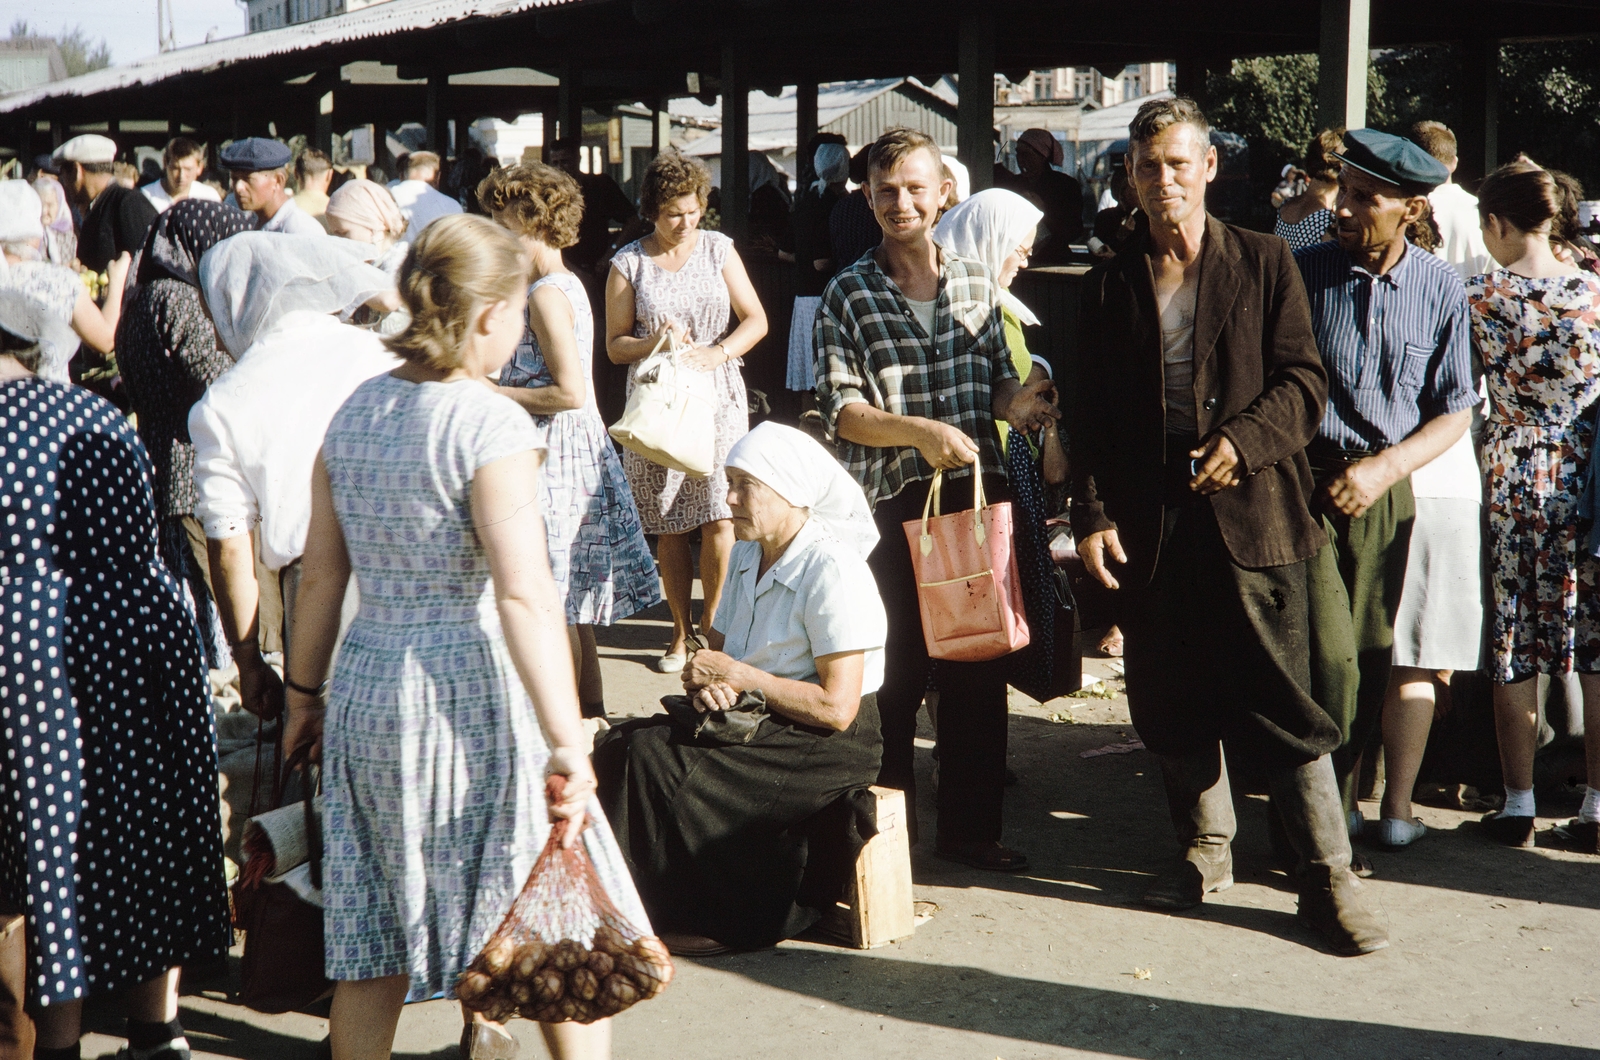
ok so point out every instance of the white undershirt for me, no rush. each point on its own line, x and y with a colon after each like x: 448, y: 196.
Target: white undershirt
x: 924, y: 312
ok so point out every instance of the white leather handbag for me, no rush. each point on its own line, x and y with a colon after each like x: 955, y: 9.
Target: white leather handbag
x: 671, y: 414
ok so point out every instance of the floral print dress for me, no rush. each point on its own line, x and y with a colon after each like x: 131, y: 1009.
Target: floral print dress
x: 1540, y: 344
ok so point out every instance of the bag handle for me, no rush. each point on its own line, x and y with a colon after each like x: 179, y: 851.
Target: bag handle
x: 935, y: 495
x: 300, y: 758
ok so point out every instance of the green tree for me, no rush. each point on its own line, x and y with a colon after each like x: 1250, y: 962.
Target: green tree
x: 79, y: 54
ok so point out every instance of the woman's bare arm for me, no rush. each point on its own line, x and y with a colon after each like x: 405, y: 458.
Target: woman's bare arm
x: 505, y: 514
x: 550, y: 314
x: 716, y: 679
x: 621, y: 346
x: 324, y: 577
x: 97, y: 327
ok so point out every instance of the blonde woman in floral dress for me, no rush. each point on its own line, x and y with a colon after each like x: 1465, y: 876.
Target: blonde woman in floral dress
x: 1536, y: 324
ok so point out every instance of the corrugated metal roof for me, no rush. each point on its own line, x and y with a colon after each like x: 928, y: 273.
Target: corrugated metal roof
x: 378, y: 20
x: 772, y: 118
x: 1111, y: 123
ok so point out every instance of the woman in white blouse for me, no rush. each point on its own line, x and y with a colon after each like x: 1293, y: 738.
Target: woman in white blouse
x: 801, y: 624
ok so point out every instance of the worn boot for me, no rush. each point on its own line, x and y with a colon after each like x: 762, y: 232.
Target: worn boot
x: 1307, y: 796
x: 1202, y: 813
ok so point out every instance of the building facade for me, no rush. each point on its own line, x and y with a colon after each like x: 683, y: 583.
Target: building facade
x: 274, y: 14
x: 1085, y: 85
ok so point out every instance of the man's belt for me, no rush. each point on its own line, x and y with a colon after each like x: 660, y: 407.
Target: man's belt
x: 1329, y: 459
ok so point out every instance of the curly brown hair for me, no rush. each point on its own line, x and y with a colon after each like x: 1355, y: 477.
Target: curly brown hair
x: 672, y: 175
x: 458, y: 265
x: 536, y: 200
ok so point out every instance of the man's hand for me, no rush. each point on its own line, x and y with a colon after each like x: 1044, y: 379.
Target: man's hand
x: 1217, y: 464
x: 1358, y: 487
x: 945, y: 447
x: 260, y: 688
x: 1094, y: 549
x: 1031, y: 409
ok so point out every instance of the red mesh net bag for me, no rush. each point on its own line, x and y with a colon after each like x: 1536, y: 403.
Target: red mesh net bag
x: 564, y: 952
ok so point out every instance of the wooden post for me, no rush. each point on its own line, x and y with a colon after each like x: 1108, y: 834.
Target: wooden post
x: 1477, y: 141
x: 569, y: 102
x: 548, y: 133
x: 735, y: 143
x: 463, y: 135
x: 434, y: 119
x: 323, y: 141
x: 1342, y: 64
x: 805, y: 129
x: 975, y: 110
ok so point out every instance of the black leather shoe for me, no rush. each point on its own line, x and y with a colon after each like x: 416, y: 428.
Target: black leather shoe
x: 1330, y: 906
x: 1512, y: 831
x: 1200, y: 871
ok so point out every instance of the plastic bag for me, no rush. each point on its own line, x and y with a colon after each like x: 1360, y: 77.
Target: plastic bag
x: 564, y: 952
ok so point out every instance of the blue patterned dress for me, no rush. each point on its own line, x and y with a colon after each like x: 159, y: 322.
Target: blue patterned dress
x: 598, y: 551
x: 434, y: 762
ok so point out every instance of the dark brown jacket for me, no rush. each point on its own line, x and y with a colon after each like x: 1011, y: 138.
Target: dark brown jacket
x: 1258, y: 380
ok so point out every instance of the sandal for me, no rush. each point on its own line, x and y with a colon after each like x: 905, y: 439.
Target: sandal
x: 1580, y: 835
x: 990, y: 856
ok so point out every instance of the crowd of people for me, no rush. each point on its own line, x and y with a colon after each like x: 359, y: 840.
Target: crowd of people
x: 352, y: 446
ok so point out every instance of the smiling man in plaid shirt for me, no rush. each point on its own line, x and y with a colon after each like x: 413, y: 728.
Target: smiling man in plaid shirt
x: 902, y: 403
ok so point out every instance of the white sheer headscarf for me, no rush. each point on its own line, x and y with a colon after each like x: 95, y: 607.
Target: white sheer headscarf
x: 806, y: 475
x: 988, y: 227
x: 28, y: 317
x: 253, y: 280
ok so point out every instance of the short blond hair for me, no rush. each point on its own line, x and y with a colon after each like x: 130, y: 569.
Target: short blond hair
x: 456, y: 267
x: 896, y: 145
x: 1436, y: 138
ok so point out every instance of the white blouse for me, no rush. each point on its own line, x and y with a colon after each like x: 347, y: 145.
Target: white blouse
x: 259, y: 427
x: 819, y: 598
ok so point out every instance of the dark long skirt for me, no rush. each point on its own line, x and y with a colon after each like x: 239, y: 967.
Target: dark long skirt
x: 720, y: 839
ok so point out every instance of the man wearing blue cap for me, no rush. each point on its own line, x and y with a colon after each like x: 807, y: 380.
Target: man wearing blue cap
x: 258, y: 169
x: 1391, y: 323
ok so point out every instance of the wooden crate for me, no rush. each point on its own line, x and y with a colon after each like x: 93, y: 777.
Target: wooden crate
x: 878, y: 906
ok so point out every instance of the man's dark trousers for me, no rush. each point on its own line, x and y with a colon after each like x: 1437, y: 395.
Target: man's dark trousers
x: 972, y: 696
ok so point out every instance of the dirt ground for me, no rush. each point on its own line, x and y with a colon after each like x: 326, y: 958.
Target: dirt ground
x: 1495, y: 952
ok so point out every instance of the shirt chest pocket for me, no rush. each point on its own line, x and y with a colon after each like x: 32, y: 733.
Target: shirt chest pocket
x: 1413, y: 368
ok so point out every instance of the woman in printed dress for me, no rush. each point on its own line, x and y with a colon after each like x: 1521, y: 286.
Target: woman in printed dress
x: 678, y: 285
x: 1536, y: 325
x: 453, y: 699
x: 598, y: 552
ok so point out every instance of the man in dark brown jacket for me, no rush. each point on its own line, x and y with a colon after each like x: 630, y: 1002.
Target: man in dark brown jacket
x: 1198, y: 385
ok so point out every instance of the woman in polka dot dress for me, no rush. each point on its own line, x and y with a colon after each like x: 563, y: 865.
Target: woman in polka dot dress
x: 112, y: 847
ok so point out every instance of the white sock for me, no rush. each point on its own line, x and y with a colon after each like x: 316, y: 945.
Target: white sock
x: 1518, y: 803
x: 1591, y: 805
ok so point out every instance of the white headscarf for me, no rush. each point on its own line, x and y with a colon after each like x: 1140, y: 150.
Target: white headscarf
x: 21, y: 212
x: 807, y: 476
x: 963, y: 179
x: 253, y: 280
x: 988, y: 227
x: 832, y: 163
x: 28, y: 317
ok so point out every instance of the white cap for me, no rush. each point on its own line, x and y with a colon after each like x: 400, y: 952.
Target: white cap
x: 90, y: 147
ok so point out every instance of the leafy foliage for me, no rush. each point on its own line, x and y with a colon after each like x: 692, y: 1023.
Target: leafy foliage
x: 79, y: 54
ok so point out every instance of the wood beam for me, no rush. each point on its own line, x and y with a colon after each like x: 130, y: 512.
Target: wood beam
x: 1342, y: 64
x: 735, y: 141
x: 975, y: 113
x: 805, y: 128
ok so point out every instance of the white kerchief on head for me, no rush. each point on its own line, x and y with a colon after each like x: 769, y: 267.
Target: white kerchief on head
x: 988, y: 227
x: 806, y: 475
x: 832, y: 163
x: 253, y: 280
x: 26, y: 316
x: 21, y: 212
x: 958, y: 173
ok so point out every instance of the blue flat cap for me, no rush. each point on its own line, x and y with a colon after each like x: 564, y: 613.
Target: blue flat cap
x: 255, y: 153
x: 1393, y: 158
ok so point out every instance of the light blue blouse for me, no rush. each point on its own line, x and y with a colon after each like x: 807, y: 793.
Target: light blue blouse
x: 819, y: 598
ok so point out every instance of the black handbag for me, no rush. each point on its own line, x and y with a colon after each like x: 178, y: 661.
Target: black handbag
x: 719, y: 728
x: 1052, y: 663
x: 283, y: 964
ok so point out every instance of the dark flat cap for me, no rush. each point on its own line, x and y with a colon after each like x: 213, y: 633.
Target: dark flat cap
x: 255, y: 153
x: 1393, y: 158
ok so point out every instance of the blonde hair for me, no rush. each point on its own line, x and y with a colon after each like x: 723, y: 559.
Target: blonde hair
x: 456, y: 267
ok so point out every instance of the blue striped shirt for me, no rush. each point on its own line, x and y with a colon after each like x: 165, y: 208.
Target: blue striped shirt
x: 1397, y: 347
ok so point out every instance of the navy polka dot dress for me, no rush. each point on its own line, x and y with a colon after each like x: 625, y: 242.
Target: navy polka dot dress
x: 112, y: 844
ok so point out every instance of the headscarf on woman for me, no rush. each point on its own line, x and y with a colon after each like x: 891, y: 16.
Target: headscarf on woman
x: 41, y: 297
x: 254, y: 280
x: 182, y: 234
x: 31, y: 319
x: 959, y: 174
x: 60, y: 238
x: 988, y: 227
x: 832, y: 163
x: 764, y: 174
x: 370, y: 205
x: 21, y: 214
x: 806, y: 475
x: 49, y: 186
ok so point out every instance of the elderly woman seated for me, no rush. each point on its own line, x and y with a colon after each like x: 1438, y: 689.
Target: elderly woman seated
x: 714, y: 802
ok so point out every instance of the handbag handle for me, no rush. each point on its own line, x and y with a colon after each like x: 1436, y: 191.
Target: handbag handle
x: 300, y: 758
x: 935, y: 494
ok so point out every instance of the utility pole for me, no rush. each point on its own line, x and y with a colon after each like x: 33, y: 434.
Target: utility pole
x: 166, y: 36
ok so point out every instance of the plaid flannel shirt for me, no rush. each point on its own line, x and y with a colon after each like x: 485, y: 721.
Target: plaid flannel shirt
x: 870, y: 347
